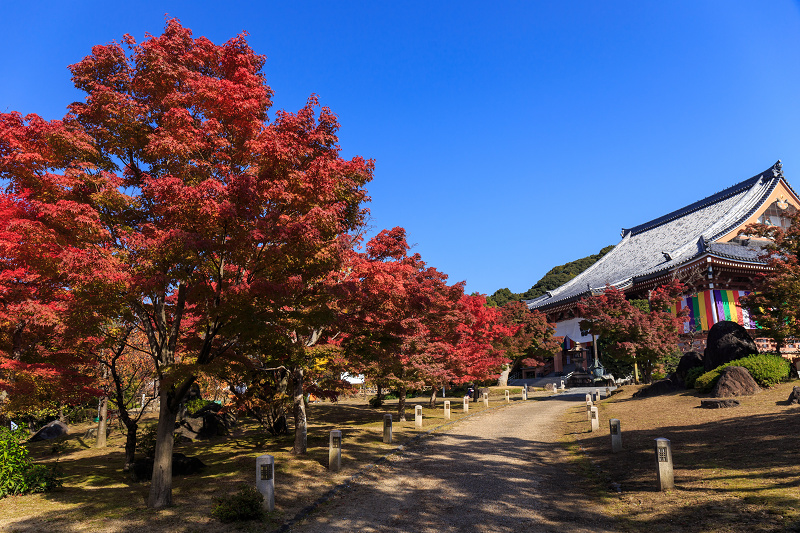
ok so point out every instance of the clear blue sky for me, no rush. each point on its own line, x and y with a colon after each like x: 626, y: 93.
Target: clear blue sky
x: 508, y: 139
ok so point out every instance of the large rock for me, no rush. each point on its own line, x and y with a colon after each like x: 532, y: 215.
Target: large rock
x: 688, y: 361
x: 718, y: 403
x: 51, y: 431
x: 794, y: 397
x: 207, y: 422
x: 662, y: 386
x: 726, y: 342
x: 735, y: 381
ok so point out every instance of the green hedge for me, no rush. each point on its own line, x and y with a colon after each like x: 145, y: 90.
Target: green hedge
x: 692, y: 375
x: 766, y: 369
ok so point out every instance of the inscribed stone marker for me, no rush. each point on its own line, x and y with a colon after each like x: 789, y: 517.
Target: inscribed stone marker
x: 447, y: 409
x: 418, y: 416
x: 664, y: 469
x: 595, y: 419
x: 387, y: 429
x: 265, y: 480
x: 335, y: 451
x: 616, y: 435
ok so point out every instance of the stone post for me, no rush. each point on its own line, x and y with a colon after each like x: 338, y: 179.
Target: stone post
x: 508, y: 397
x: 486, y: 399
x: 616, y: 435
x: 387, y: 429
x: 597, y: 395
x: 595, y: 419
x: 563, y: 386
x: 447, y: 409
x: 265, y: 480
x: 418, y: 416
x: 466, y: 404
x: 525, y: 392
x: 589, y: 406
x: 335, y: 451
x: 588, y: 397
x: 664, y: 470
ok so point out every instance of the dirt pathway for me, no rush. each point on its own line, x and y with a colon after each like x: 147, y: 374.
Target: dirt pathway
x: 499, y: 471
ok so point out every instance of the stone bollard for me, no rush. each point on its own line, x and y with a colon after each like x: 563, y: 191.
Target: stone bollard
x: 447, y: 409
x: 588, y: 397
x: 595, y: 419
x: 525, y: 392
x: 664, y: 471
x: 466, y: 404
x: 335, y: 451
x: 589, y: 406
x: 265, y: 480
x: 418, y: 416
x: 486, y: 399
x: 387, y: 429
x: 616, y: 435
x: 563, y: 386
x: 597, y: 395
x: 508, y: 397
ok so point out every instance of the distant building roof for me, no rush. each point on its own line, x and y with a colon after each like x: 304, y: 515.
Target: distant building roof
x: 674, y: 239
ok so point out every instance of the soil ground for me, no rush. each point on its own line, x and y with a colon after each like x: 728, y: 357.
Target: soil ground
x: 736, y: 469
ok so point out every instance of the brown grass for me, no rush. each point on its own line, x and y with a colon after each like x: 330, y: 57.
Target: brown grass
x: 736, y: 469
x: 98, y: 496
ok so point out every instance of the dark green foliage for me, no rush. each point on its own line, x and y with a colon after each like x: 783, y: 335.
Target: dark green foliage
x: 193, y: 406
x: 692, y: 375
x: 766, y: 369
x: 556, y: 277
x: 17, y: 474
x: 375, y: 402
x: 247, y: 504
x: 641, y: 305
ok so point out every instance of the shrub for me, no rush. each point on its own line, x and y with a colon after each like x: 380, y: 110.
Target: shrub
x: 17, y: 474
x: 766, y: 369
x: 247, y: 504
x: 193, y: 406
x: 692, y: 375
x: 375, y: 402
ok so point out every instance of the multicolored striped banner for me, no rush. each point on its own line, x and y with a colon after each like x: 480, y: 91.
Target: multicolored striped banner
x: 709, y: 307
x: 568, y: 343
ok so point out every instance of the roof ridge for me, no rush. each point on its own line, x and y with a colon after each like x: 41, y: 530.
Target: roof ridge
x: 777, y: 172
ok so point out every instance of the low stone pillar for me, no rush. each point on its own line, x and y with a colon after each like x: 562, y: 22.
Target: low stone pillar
x: 589, y: 406
x: 664, y: 470
x: 616, y: 435
x: 588, y: 397
x: 447, y: 409
x: 563, y: 385
x: 335, y: 451
x: 596, y: 395
x: 387, y: 429
x: 508, y: 396
x: 466, y: 404
x: 418, y: 416
x: 265, y: 480
x: 486, y: 399
x: 595, y: 419
x: 525, y: 392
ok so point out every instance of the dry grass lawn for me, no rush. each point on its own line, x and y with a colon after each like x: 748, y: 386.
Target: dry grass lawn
x: 736, y: 469
x: 98, y: 497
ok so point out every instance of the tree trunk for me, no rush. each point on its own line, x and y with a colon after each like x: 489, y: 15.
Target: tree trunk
x: 170, y: 400
x: 380, y: 394
x: 102, y: 423
x: 130, y: 444
x: 433, y: 398
x: 502, y: 381
x: 401, y: 403
x: 299, y: 413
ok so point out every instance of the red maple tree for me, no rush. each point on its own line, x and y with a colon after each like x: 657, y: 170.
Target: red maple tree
x: 192, y: 214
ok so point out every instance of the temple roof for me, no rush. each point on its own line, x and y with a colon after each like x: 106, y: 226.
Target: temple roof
x: 671, y: 240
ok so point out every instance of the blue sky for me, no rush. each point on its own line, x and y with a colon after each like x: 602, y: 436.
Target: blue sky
x: 508, y: 139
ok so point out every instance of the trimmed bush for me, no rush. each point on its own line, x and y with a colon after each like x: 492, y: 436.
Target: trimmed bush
x: 17, y: 474
x: 692, y: 375
x: 766, y: 369
x: 247, y: 504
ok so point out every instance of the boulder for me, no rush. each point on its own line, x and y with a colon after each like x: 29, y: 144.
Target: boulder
x: 688, y: 361
x: 794, y: 397
x: 209, y: 421
x: 51, y: 431
x: 718, y: 404
x: 662, y: 386
x: 735, y: 381
x: 726, y: 342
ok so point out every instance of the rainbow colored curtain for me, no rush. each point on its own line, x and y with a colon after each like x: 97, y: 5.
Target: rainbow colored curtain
x: 568, y: 343
x: 709, y: 307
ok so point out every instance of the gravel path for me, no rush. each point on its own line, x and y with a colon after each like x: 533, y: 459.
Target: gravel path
x: 499, y: 471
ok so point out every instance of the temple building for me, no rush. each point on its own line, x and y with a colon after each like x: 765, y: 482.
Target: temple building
x: 700, y: 244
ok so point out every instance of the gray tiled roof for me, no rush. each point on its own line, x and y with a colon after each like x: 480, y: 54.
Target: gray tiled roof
x: 673, y: 239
